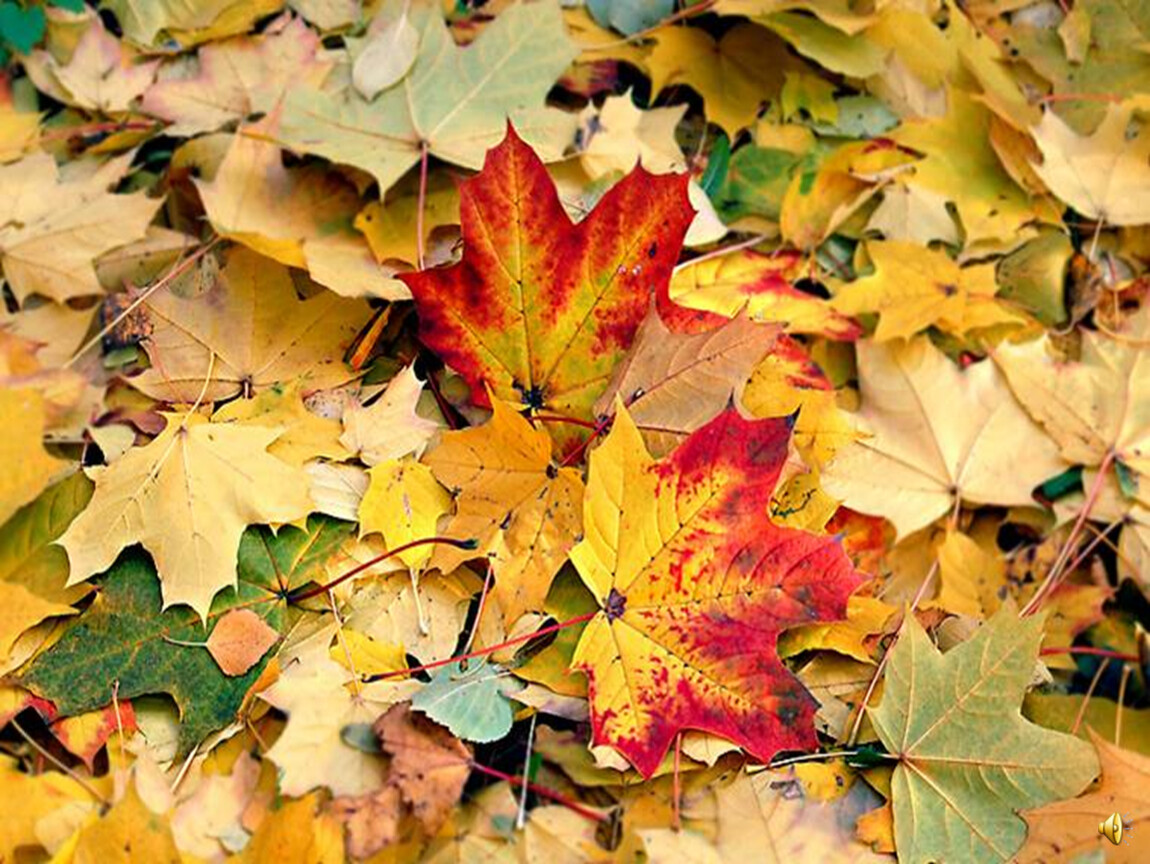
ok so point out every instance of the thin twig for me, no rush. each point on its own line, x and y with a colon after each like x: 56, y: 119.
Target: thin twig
x: 91, y: 790
x: 521, y: 816
x: 491, y: 649
x: 1126, y: 670
x: 382, y: 556
x: 173, y: 274
x: 542, y: 791
x: 719, y: 253
x: 1089, y: 693
x: 420, y: 204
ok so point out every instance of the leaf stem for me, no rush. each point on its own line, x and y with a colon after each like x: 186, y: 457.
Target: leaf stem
x: 1087, y: 650
x: 563, y: 418
x: 470, y: 543
x: 91, y: 790
x: 1053, y: 578
x: 490, y: 649
x: 542, y: 791
x: 177, y: 271
x: 420, y: 204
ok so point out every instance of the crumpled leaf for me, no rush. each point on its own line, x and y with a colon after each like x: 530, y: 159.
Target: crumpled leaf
x: 676, y: 644
x: 913, y: 468
x: 761, y: 285
x: 300, y: 217
x: 914, y: 287
x: 187, y: 498
x: 187, y: 24
x: 33, y: 569
x: 676, y: 382
x: 454, y: 100
x: 313, y: 691
x: 540, y: 310
x: 1096, y: 406
x: 523, y: 511
x: 429, y: 766
x: 735, y: 74
x: 968, y: 761
x: 100, y: 75
x: 1064, y: 831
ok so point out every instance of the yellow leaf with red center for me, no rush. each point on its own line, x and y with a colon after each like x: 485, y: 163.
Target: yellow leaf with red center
x: 541, y: 310
x: 762, y: 285
x: 694, y: 586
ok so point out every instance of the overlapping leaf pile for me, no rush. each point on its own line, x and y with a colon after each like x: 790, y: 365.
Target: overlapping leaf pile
x: 607, y: 431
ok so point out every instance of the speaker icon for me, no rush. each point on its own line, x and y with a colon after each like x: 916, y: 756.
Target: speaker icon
x: 1113, y: 828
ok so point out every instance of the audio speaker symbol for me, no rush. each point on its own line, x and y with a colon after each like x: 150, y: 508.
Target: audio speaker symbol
x: 1112, y: 828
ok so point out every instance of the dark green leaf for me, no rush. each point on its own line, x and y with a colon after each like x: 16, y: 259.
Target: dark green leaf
x: 21, y: 28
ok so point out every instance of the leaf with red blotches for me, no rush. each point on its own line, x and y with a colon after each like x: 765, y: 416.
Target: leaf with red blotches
x: 761, y: 285
x: 541, y: 310
x: 694, y: 585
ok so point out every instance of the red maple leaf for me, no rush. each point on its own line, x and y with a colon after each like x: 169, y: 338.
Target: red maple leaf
x: 541, y: 309
x: 694, y: 585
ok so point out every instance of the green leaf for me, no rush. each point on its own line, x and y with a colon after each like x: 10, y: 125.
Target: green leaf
x: 756, y: 182
x: 968, y: 761
x: 21, y: 28
x: 126, y: 637
x: 456, y: 100
x: 718, y: 162
x: 68, y: 5
x: 470, y: 702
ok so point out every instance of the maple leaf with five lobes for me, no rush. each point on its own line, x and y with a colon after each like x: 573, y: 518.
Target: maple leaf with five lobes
x: 522, y: 509
x: 913, y: 287
x: 938, y: 435
x: 694, y: 585
x: 541, y: 310
x: 187, y: 497
x: 967, y: 760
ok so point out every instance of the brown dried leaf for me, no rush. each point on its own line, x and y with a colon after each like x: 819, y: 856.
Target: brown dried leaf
x: 429, y: 765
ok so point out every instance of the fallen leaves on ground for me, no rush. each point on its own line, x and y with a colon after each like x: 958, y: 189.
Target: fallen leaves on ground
x: 543, y: 431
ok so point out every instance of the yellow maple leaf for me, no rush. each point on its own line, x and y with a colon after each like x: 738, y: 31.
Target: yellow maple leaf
x: 52, y: 229
x: 305, y: 435
x: 735, y: 74
x: 389, y: 428
x: 256, y: 327
x: 301, y: 217
x: 1104, y: 175
x: 186, y: 497
x: 913, y: 287
x: 28, y: 468
x: 524, y: 512
x: 403, y: 503
x: 938, y: 436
